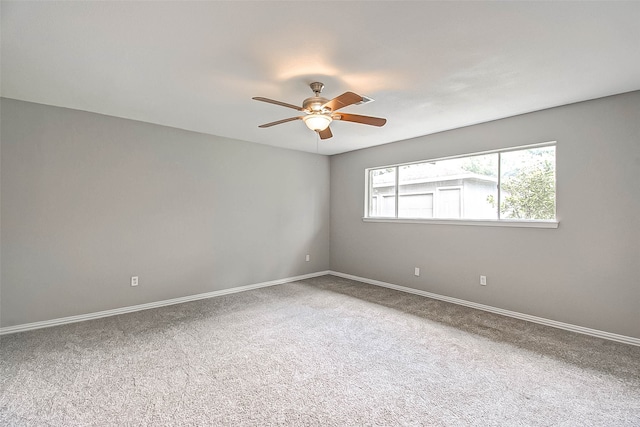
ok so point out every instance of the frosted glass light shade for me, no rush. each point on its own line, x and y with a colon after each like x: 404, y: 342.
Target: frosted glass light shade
x: 317, y: 122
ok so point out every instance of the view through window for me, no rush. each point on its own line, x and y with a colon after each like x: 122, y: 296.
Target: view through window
x: 508, y: 184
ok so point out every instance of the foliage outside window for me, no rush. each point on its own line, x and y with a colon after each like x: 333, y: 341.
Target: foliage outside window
x: 514, y: 184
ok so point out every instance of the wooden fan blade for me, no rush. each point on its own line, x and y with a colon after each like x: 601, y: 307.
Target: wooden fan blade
x: 273, y: 101
x: 346, y: 99
x: 365, y: 120
x: 290, y: 119
x: 325, y: 134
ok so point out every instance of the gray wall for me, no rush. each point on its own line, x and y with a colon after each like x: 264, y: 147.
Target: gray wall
x: 586, y: 272
x: 90, y: 200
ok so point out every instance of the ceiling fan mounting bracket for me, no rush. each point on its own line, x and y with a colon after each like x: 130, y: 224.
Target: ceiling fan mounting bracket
x: 317, y: 87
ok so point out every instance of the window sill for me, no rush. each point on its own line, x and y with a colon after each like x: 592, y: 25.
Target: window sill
x: 480, y: 222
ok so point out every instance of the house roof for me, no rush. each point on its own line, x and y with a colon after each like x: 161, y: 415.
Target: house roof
x: 430, y: 66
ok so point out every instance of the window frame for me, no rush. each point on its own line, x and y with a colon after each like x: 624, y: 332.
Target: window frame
x: 500, y: 222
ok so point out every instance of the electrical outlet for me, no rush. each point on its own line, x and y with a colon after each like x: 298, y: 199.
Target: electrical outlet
x: 308, y: 258
x: 134, y: 280
x: 483, y: 280
x: 416, y: 271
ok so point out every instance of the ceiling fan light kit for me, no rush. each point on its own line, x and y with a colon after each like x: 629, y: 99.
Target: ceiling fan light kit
x: 317, y: 122
x: 320, y: 112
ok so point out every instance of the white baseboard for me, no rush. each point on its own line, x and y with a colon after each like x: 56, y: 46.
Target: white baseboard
x: 130, y: 309
x: 567, y: 326
x: 89, y: 316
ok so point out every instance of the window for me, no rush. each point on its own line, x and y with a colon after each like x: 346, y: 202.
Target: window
x: 514, y: 184
x: 382, y: 190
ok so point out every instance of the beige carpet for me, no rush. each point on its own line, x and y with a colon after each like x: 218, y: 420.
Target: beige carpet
x: 325, y: 351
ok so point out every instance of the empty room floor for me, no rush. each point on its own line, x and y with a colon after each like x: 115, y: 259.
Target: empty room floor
x: 321, y: 351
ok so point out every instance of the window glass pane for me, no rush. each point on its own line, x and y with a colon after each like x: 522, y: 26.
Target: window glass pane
x: 382, y: 192
x: 480, y: 187
x: 388, y: 206
x: 415, y: 205
x: 449, y: 203
x: 415, y: 191
x: 528, y: 184
x: 471, y: 185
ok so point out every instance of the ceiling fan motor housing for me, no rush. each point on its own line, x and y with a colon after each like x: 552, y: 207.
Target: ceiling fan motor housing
x: 315, y: 103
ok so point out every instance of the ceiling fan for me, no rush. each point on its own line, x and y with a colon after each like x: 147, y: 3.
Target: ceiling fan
x: 320, y: 112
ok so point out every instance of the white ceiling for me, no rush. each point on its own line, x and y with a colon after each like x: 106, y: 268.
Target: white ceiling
x: 430, y: 66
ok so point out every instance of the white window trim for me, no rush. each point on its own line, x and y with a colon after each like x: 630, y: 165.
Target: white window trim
x: 478, y: 222
x: 467, y: 222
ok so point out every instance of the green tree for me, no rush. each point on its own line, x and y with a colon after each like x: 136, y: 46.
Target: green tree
x: 529, y: 194
x: 482, y: 165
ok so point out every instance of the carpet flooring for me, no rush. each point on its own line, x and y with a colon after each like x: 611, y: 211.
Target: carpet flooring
x: 324, y: 351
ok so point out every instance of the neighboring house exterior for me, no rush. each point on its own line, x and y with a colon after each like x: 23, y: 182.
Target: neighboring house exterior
x: 436, y: 193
